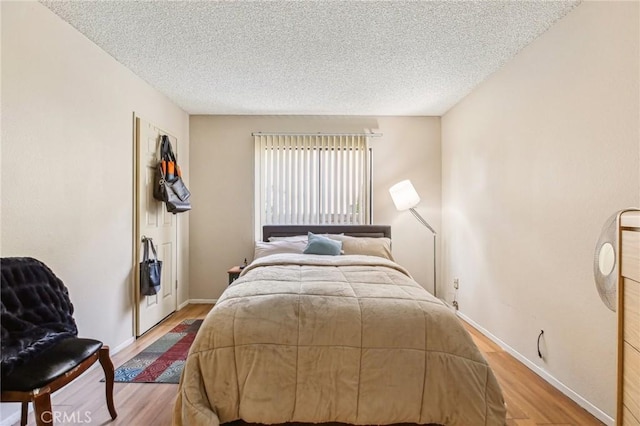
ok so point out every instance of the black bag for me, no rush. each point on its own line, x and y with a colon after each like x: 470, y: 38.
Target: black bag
x: 168, y: 185
x: 150, y: 270
x: 174, y: 193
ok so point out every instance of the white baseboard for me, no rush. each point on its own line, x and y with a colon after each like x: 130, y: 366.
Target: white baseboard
x: 599, y: 414
x: 197, y: 302
x: 122, y: 345
x: 202, y: 301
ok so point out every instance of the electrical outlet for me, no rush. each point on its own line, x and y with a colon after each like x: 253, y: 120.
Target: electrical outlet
x: 456, y: 283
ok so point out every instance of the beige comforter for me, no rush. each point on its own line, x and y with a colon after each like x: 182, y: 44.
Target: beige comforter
x: 352, y: 339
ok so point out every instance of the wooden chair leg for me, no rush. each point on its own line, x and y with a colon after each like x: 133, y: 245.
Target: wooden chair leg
x: 25, y: 413
x: 42, y: 408
x: 107, y: 366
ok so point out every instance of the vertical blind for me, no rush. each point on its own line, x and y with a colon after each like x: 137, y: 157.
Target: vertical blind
x: 312, y: 179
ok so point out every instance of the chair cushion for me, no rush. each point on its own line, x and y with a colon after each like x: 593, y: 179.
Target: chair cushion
x: 50, y: 364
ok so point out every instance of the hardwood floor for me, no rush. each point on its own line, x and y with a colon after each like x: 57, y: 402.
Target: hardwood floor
x: 530, y: 400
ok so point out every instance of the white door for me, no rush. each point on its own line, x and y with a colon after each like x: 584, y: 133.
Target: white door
x: 153, y: 221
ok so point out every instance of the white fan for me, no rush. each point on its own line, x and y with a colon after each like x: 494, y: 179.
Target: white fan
x: 605, y: 269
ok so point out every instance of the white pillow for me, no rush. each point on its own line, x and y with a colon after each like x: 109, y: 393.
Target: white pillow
x: 369, y: 246
x: 293, y: 238
x: 276, y: 247
x: 304, y: 238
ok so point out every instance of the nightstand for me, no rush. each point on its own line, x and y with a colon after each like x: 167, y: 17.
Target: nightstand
x: 234, y: 273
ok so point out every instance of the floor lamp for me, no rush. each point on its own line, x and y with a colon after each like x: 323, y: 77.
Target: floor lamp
x: 405, y: 197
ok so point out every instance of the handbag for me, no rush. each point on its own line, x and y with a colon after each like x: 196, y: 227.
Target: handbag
x: 168, y: 184
x: 150, y: 270
x: 174, y: 193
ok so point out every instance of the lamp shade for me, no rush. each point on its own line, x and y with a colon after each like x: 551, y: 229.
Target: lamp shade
x: 404, y: 195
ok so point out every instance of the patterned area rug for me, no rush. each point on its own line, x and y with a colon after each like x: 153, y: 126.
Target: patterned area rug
x: 162, y: 361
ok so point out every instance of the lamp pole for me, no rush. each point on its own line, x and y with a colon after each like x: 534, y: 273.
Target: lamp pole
x: 405, y: 197
x: 424, y: 222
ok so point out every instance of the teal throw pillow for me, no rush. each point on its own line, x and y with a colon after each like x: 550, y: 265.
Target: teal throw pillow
x: 322, y: 245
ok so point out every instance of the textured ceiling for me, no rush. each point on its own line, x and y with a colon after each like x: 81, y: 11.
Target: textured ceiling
x: 313, y: 57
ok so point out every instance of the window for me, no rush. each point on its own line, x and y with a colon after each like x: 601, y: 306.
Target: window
x: 312, y: 179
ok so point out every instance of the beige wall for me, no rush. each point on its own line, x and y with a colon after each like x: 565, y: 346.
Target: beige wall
x: 534, y: 161
x: 222, y: 156
x: 67, y: 163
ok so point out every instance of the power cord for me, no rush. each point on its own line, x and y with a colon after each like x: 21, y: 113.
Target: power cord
x: 539, y: 336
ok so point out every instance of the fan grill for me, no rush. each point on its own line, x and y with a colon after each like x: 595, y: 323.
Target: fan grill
x: 605, y: 268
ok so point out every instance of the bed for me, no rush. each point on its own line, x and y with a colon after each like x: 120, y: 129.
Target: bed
x: 350, y: 338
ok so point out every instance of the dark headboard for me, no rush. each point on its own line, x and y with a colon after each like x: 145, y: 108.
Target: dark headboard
x: 351, y: 230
